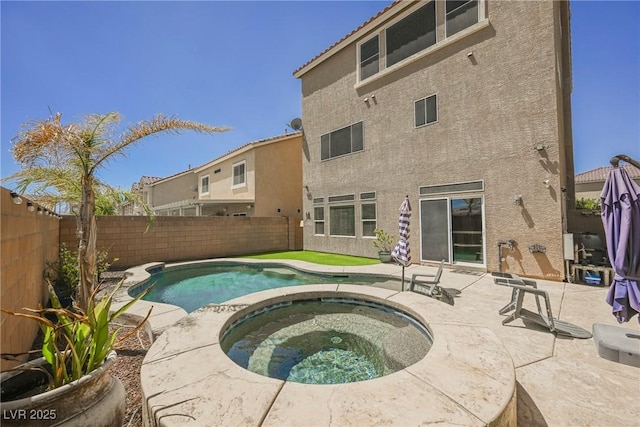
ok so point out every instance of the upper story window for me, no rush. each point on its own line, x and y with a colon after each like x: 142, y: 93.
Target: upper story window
x: 426, y: 110
x: 460, y: 14
x: 412, y: 34
x: 369, y: 58
x: 239, y: 174
x: 204, y: 184
x: 343, y: 141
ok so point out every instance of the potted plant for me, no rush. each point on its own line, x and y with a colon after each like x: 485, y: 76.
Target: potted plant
x: 384, y: 243
x: 70, y: 385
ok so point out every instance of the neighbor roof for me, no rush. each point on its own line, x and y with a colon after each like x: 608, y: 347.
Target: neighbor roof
x: 246, y: 147
x: 600, y: 174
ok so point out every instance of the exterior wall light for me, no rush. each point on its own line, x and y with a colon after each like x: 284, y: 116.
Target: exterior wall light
x: 40, y: 210
x: 30, y: 207
x: 16, y: 198
x: 539, y: 147
x: 517, y: 199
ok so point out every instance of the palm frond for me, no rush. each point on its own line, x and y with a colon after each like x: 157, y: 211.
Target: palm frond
x: 159, y: 124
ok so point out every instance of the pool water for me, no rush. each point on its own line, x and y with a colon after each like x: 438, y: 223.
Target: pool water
x: 195, y: 286
x: 326, y: 342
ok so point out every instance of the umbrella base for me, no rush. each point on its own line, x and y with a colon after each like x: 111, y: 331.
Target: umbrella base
x: 617, y: 344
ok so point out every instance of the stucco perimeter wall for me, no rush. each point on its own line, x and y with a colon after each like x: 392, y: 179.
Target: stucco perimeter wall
x: 172, y: 239
x: 28, y: 241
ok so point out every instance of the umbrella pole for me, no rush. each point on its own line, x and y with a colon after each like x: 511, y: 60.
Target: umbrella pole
x: 403, y: 277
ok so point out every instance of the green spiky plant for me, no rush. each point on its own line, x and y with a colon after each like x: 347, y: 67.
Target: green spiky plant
x: 384, y: 241
x: 78, y: 341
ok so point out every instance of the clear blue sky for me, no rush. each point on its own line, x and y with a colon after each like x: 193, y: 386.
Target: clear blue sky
x: 231, y: 64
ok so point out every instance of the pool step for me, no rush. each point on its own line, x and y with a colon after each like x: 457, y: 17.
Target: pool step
x: 281, y: 271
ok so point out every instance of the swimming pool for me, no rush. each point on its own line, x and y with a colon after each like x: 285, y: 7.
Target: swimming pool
x: 193, y: 286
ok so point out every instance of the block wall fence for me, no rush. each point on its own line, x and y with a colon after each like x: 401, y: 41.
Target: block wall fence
x: 134, y: 241
x: 29, y: 241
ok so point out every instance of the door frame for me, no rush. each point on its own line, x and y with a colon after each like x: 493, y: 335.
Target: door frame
x: 449, y: 230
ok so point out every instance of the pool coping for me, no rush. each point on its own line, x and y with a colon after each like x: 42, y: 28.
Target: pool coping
x: 467, y: 378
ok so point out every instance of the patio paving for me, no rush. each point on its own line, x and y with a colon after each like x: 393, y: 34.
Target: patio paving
x: 560, y: 381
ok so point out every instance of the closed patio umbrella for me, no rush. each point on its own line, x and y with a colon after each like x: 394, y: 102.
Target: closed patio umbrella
x: 402, y: 253
x: 621, y: 218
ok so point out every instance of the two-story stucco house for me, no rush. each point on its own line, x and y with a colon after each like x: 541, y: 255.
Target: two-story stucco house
x: 261, y: 178
x: 464, y: 106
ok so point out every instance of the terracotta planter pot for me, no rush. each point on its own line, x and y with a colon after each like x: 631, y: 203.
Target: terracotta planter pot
x: 97, y: 399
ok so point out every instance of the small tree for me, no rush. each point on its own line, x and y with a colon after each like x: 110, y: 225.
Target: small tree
x: 67, y: 157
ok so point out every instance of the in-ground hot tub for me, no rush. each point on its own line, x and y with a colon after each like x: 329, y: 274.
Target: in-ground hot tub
x: 466, y: 377
x: 326, y: 340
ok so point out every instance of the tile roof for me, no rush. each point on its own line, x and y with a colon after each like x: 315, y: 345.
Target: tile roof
x: 144, y: 180
x: 373, y: 18
x: 600, y: 174
x: 260, y: 141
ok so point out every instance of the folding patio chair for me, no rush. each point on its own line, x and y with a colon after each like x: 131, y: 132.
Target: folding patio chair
x: 520, y: 287
x: 427, y: 287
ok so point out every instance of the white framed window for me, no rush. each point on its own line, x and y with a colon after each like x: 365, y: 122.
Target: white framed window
x: 239, y: 174
x: 460, y: 14
x: 318, y: 220
x: 346, y: 140
x: 342, y: 215
x: 426, y: 111
x: 412, y: 34
x: 342, y: 220
x: 204, y: 184
x: 369, y: 52
x: 368, y: 218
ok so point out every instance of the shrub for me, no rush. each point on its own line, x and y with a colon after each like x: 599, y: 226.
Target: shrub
x: 65, y: 272
x: 590, y: 204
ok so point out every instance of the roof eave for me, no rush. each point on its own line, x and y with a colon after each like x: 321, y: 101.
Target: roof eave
x: 373, y: 22
x: 244, y: 148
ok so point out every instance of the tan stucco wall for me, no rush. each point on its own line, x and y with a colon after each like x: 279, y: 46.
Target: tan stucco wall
x: 185, y: 238
x: 279, y: 178
x: 28, y: 242
x: 492, y: 110
x: 220, y: 184
x: 592, y: 190
x: 174, y: 189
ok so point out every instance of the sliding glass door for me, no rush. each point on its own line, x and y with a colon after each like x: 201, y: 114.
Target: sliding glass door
x: 452, y: 229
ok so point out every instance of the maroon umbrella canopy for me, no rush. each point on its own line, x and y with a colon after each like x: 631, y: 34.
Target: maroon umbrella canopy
x: 621, y: 218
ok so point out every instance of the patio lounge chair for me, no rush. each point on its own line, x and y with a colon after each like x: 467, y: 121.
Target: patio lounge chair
x: 427, y: 287
x: 520, y: 287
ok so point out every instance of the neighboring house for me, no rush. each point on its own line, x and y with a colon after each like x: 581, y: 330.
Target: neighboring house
x: 142, y: 189
x: 175, y: 195
x: 589, y: 184
x: 261, y: 178
x: 464, y: 106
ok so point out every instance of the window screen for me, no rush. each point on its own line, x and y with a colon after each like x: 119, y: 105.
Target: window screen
x: 412, y: 34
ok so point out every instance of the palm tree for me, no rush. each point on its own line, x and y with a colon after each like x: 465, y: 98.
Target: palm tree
x: 53, y: 186
x: 66, y: 158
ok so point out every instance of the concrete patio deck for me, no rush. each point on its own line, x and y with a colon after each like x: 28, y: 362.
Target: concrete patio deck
x: 560, y: 381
